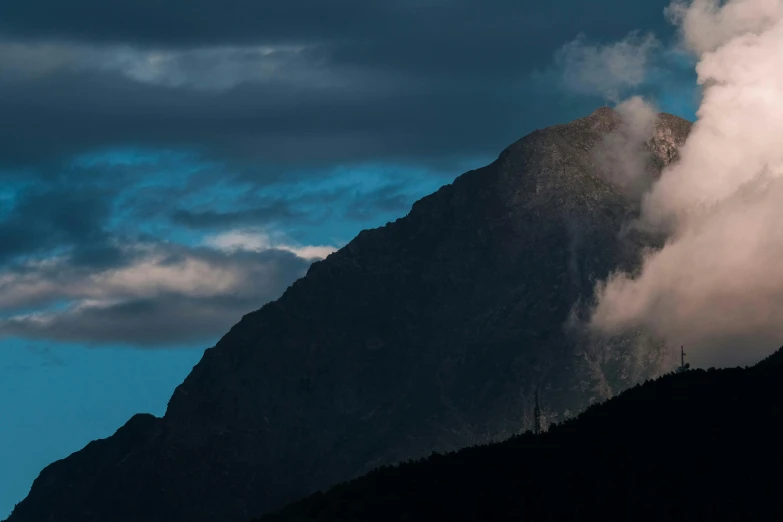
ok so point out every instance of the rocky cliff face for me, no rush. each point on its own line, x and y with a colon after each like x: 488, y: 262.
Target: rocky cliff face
x: 431, y: 333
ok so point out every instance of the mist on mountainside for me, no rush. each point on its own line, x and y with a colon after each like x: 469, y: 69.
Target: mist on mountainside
x: 716, y: 286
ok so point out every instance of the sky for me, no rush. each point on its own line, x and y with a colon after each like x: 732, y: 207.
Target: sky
x: 166, y: 167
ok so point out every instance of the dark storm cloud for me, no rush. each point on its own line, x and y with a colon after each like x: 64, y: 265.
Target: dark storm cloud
x: 210, y: 22
x: 422, y: 80
x: 53, y: 217
x: 228, y: 219
x: 63, y: 208
x: 261, y: 123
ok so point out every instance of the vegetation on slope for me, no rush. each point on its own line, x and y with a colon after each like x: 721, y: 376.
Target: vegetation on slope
x: 701, y: 445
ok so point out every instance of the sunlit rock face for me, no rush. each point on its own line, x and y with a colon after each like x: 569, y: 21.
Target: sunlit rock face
x: 670, y: 134
x: 431, y: 333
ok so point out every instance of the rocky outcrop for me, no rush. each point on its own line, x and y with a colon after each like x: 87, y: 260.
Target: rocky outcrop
x: 431, y: 333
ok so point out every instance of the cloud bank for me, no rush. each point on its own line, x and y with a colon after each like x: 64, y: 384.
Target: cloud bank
x: 287, y: 84
x: 162, y: 294
x: 717, y: 284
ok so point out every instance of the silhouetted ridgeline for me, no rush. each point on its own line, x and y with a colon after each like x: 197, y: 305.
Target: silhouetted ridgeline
x: 702, y: 445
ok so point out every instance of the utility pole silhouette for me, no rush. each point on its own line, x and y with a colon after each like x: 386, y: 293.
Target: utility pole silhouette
x: 537, y: 416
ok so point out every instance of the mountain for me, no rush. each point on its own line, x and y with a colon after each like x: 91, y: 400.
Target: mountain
x: 430, y: 333
x: 699, y: 445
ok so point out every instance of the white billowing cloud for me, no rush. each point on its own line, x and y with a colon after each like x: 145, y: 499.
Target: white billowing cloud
x: 708, y: 24
x: 256, y: 240
x: 606, y: 70
x: 211, y: 68
x: 622, y: 155
x: 163, y: 294
x: 717, y: 284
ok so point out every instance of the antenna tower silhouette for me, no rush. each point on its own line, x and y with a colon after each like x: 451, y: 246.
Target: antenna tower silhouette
x: 537, y: 416
x: 683, y: 365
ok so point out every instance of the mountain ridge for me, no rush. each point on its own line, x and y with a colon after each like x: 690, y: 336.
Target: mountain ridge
x: 679, y: 447
x: 429, y: 333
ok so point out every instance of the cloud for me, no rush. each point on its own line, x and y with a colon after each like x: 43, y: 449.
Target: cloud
x: 254, y: 240
x: 44, y: 217
x: 708, y: 24
x: 717, y: 284
x: 606, y: 70
x: 189, y: 23
x: 210, y: 69
x: 164, y: 294
x: 215, y: 218
x: 278, y: 87
x: 623, y: 156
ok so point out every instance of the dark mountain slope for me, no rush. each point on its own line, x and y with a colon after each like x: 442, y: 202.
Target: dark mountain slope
x: 702, y: 445
x: 430, y: 333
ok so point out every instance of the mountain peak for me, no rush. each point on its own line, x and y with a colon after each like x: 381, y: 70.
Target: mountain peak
x: 429, y: 334
x: 604, y: 113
